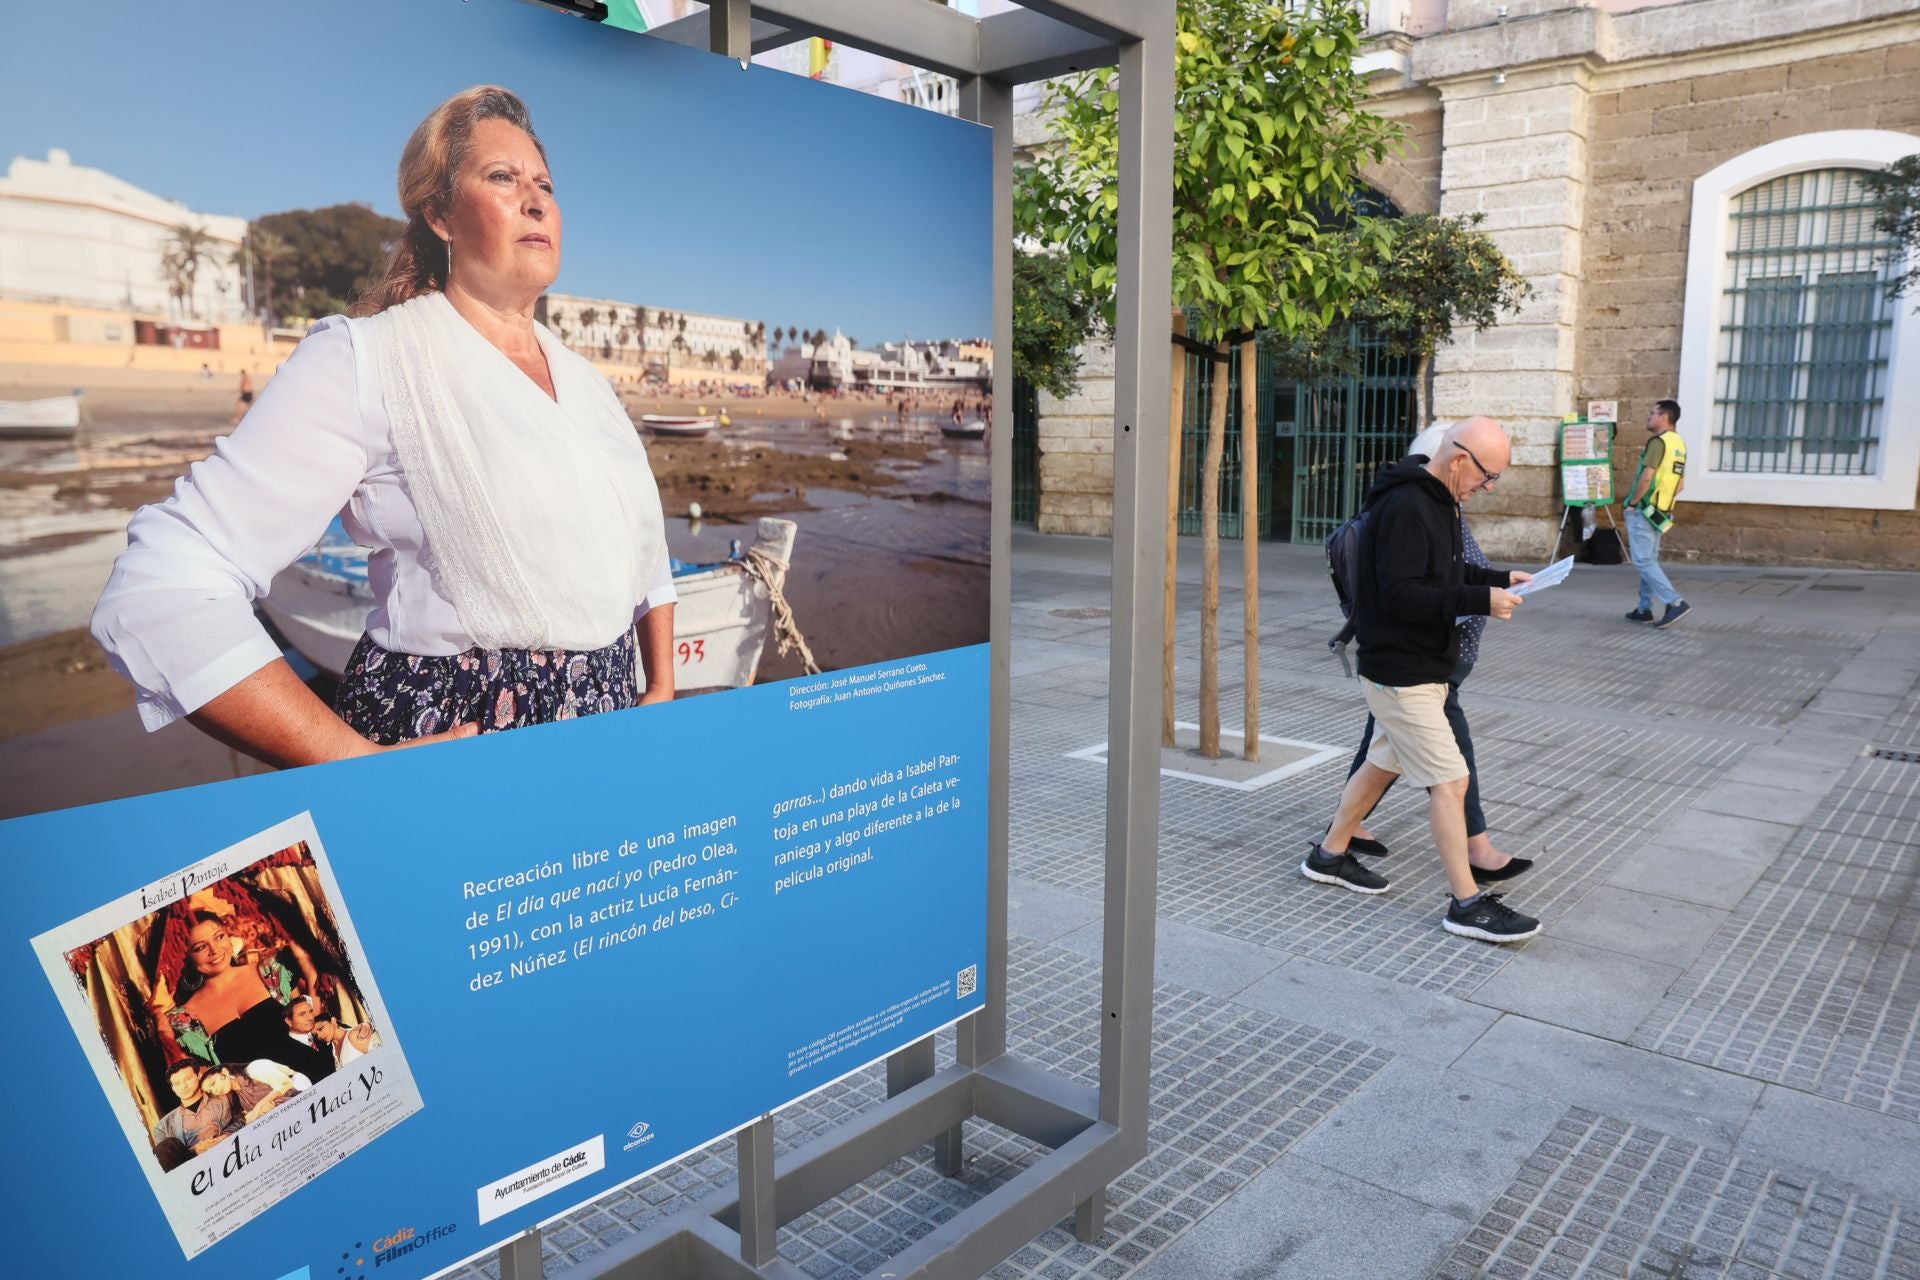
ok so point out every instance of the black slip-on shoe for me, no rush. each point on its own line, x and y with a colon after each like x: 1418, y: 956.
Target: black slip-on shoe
x: 1514, y: 867
x: 1674, y: 613
x: 1363, y: 844
x: 1639, y: 615
x: 1489, y: 920
x: 1342, y: 869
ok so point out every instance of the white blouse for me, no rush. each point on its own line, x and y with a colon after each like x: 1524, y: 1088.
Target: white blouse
x: 177, y: 615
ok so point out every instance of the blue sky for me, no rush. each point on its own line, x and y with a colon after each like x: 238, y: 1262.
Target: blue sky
x: 687, y: 183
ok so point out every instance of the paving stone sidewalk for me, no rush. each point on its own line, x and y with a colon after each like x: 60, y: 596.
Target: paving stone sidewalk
x: 1708, y: 1065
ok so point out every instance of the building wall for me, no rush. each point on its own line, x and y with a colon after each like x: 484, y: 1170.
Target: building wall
x: 1076, y: 451
x: 1411, y: 179
x: 75, y: 235
x: 1578, y: 130
x: 1650, y: 141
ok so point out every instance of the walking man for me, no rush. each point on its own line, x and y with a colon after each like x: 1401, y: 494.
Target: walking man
x: 1656, y: 486
x: 1413, y: 581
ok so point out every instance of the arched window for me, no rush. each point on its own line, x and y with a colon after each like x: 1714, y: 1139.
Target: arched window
x: 1800, y: 377
x: 1805, y: 329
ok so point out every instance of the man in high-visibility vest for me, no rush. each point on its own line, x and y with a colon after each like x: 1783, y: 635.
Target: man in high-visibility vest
x: 1656, y: 487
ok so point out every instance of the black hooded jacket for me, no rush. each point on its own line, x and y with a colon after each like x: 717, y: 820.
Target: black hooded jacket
x: 1414, y: 579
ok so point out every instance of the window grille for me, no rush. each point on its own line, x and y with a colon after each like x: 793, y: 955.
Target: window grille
x: 1806, y: 330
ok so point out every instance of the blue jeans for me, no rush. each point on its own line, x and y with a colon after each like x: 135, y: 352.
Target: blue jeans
x: 1654, y: 583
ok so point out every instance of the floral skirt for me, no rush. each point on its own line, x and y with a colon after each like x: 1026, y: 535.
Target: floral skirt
x: 390, y: 697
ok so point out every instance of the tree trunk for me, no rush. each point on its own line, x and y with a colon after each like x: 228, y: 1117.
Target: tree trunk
x: 1250, y: 531
x: 1179, y: 418
x: 1422, y: 394
x: 1218, y: 391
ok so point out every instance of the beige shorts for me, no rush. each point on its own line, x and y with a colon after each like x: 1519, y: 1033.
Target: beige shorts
x: 1411, y: 736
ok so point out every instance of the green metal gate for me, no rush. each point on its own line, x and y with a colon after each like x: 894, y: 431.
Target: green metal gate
x: 1026, y: 452
x: 1347, y: 429
x: 1193, y: 446
x: 1319, y: 442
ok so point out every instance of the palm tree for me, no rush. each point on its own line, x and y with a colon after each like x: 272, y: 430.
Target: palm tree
x: 189, y: 247
x: 173, y: 270
x: 589, y: 317
x: 778, y: 333
x: 269, y: 249
x: 738, y: 358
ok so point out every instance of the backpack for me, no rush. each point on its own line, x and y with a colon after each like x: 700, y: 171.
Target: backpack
x: 1343, y: 566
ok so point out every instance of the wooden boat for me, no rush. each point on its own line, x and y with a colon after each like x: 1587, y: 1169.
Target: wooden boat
x: 54, y: 416
x: 669, y: 424
x: 319, y: 605
x: 972, y: 429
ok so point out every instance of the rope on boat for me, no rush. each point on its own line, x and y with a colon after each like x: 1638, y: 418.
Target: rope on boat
x: 772, y: 571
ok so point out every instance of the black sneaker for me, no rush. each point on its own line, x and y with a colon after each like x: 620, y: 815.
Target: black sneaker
x: 1674, y: 613
x: 1640, y: 615
x: 1489, y: 920
x: 1342, y: 869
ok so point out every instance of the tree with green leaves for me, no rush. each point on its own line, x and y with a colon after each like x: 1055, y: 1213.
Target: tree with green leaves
x: 1896, y: 192
x: 1438, y: 274
x: 334, y: 254
x: 1271, y: 131
x: 1053, y: 318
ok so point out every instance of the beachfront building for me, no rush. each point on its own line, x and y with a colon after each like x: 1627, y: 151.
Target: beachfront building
x: 80, y: 237
x: 672, y: 347
x: 836, y: 365
x: 1679, y: 180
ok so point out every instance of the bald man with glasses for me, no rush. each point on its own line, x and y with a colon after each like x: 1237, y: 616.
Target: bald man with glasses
x: 1414, y: 581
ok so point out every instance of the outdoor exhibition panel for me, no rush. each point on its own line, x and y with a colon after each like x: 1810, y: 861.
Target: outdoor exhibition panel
x: 487, y: 980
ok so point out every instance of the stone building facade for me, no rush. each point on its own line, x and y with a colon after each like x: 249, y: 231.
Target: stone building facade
x: 1678, y: 181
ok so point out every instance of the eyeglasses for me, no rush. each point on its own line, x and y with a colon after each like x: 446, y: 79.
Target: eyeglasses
x: 1492, y: 477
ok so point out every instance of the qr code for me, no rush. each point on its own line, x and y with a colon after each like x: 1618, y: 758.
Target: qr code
x: 966, y: 981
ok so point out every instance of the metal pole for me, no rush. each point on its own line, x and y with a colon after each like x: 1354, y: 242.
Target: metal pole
x: 759, y: 1222
x: 731, y: 29
x: 983, y: 1037
x: 520, y: 1257
x: 1139, y: 562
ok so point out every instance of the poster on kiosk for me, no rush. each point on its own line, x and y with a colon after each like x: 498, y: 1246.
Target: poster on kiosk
x: 495, y: 653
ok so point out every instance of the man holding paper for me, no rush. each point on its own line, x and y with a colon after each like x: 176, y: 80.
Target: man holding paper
x: 1413, y: 581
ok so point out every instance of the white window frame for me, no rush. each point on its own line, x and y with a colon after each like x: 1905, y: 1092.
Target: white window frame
x: 1891, y: 487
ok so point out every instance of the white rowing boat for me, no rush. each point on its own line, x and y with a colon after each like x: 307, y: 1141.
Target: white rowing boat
x: 670, y: 424
x: 52, y: 416
x: 319, y: 605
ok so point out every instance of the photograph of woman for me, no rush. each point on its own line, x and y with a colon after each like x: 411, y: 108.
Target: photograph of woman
x: 518, y: 551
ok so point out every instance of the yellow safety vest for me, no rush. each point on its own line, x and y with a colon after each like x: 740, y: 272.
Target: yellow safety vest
x: 1657, y: 505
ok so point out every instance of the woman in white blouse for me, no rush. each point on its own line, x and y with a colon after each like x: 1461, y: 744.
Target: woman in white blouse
x: 519, y: 562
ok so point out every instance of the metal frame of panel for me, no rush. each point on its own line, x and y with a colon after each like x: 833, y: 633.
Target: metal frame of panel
x: 1092, y: 1135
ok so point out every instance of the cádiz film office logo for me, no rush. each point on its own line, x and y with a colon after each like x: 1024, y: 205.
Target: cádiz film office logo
x: 641, y: 1134
x: 392, y: 1247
